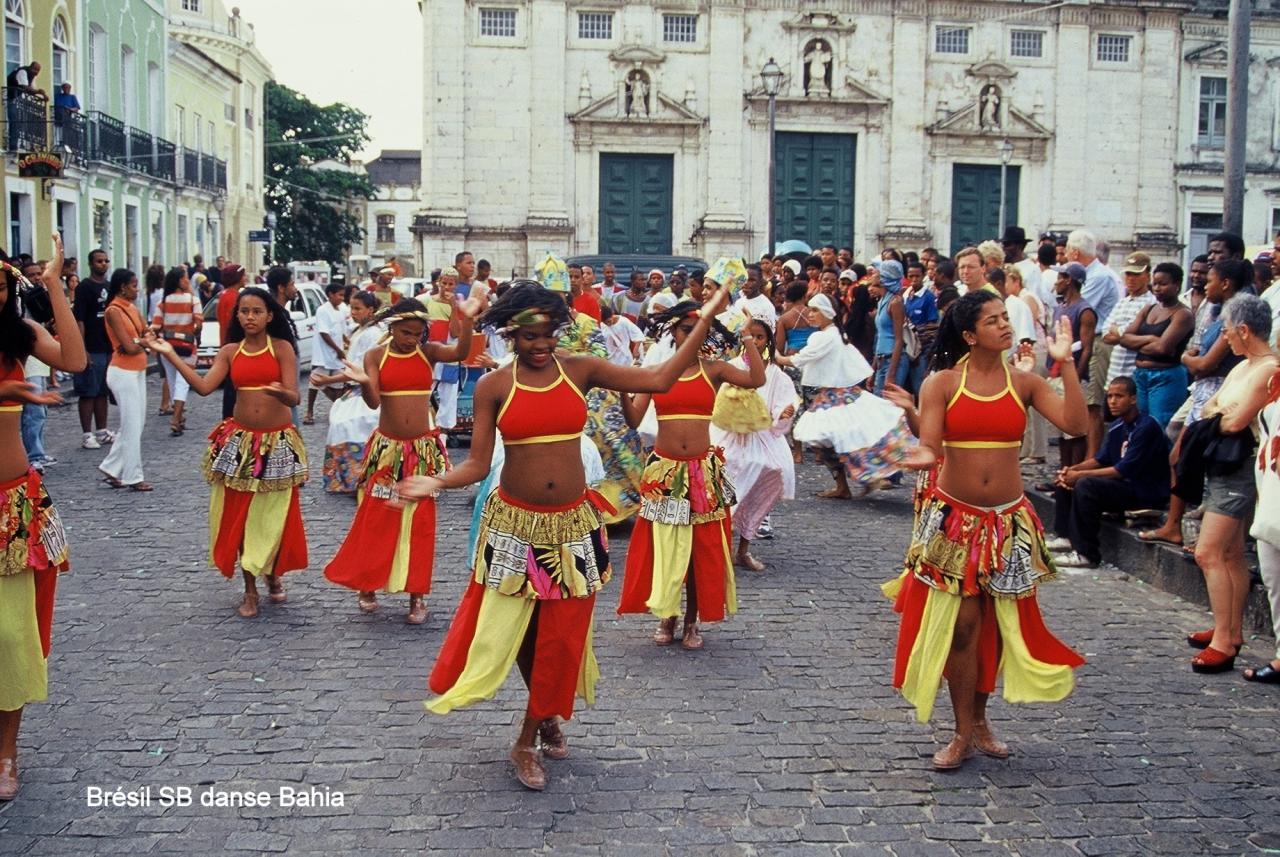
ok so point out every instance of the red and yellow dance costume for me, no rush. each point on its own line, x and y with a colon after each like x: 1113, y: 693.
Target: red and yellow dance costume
x: 254, y: 515
x: 389, y: 548
x: 33, y: 550
x: 536, y: 573
x: 962, y: 551
x: 684, y: 520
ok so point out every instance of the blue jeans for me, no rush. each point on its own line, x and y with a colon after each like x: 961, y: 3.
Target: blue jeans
x: 33, y: 417
x: 911, y: 373
x: 882, y: 371
x: 1161, y: 391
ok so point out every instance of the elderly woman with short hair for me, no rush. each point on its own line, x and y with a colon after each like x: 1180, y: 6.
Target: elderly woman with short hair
x: 1226, y: 447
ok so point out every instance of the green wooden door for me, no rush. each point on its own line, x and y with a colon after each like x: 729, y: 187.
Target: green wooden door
x: 813, y: 188
x: 635, y: 204
x: 975, y: 203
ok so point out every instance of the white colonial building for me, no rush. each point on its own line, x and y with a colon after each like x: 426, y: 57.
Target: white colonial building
x: 396, y: 175
x: 604, y: 126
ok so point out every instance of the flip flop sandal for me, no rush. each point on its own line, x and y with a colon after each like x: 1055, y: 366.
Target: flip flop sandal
x: 1263, y: 675
x: 142, y: 487
x: 113, y: 482
x: 1151, y: 539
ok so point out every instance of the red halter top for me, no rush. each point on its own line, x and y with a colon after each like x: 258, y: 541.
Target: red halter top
x: 984, y: 422
x: 691, y: 398
x: 547, y: 414
x: 406, y: 374
x: 15, y: 373
x: 256, y: 370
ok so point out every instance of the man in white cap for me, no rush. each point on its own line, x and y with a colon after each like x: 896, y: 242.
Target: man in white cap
x: 381, y: 286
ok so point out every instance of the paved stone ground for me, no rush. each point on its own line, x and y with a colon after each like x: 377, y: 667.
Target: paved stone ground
x: 782, y: 737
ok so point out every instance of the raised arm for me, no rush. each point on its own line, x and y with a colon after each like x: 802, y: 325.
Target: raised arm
x: 634, y: 406
x: 67, y: 351
x: 752, y: 377
x: 1068, y: 412
x: 285, y: 390
x: 202, y: 384
x: 462, y: 325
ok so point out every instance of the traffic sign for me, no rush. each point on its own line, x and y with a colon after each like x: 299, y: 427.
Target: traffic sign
x: 260, y: 236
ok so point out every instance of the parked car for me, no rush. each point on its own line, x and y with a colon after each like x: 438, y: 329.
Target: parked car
x: 625, y: 263
x: 303, y: 311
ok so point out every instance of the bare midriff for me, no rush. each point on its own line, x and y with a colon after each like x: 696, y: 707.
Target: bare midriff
x: 981, y: 477
x: 13, y: 456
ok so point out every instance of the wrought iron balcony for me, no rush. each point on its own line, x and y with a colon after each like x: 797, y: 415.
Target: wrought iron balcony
x: 166, y: 160
x: 27, y: 123
x: 107, y: 139
x: 190, y: 162
x: 142, y: 153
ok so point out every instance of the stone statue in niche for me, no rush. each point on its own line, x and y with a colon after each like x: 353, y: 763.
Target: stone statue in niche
x: 637, y: 93
x: 989, y: 107
x: 817, y: 68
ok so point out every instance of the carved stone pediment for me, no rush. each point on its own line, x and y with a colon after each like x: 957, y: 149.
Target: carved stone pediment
x: 991, y: 70
x: 855, y: 90
x: 667, y: 111
x: 637, y: 55
x: 1210, y: 56
x: 809, y: 23
x: 964, y: 123
x: 668, y: 122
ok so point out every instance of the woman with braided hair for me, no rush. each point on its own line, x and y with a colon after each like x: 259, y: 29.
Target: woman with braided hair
x: 683, y: 536
x: 397, y: 378
x: 33, y: 545
x: 541, y: 551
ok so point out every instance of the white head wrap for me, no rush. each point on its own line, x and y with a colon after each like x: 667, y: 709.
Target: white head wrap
x: 822, y: 304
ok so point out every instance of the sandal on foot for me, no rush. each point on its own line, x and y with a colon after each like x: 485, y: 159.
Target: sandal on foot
x: 1151, y: 538
x: 691, y: 640
x: 248, y: 605
x: 666, y: 633
x: 417, y: 611
x: 952, y: 756
x: 142, y: 486
x: 276, y: 594
x: 554, y: 745
x: 528, y: 768
x: 368, y: 602
x: 308, y: 420
x: 1262, y: 675
x: 1212, y: 661
x: 1200, y: 639
x: 988, y: 744
x: 8, y: 779
x: 113, y: 482
x: 748, y: 561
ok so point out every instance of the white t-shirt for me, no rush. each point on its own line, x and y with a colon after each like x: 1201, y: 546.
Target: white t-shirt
x: 758, y: 307
x: 1020, y: 317
x: 618, y: 338
x: 328, y: 320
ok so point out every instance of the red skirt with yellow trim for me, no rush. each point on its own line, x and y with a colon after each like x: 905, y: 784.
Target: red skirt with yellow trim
x: 254, y: 514
x: 391, y: 548
x: 33, y: 550
x: 684, y: 527
x: 537, y: 571
x: 998, y: 556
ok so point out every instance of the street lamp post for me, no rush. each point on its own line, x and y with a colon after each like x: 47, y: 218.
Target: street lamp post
x: 771, y: 76
x: 1006, y: 155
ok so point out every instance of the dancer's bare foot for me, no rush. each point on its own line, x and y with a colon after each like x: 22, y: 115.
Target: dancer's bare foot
x: 248, y: 605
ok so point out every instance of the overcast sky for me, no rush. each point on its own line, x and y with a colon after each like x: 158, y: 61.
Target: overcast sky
x: 367, y: 54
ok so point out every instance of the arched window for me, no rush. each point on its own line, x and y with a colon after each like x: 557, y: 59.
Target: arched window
x: 61, y: 53
x: 15, y: 34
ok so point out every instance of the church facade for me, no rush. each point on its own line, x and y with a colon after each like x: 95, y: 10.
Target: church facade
x: 621, y: 127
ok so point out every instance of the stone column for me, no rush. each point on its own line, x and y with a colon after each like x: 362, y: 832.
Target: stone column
x: 444, y: 110
x: 549, y: 143
x: 725, y: 223
x: 904, y: 139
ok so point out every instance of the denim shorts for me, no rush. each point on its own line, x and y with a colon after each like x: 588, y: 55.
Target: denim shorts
x: 1233, y: 495
x: 92, y: 382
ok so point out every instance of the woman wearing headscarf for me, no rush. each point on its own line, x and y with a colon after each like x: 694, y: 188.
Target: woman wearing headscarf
x: 890, y: 316
x: 858, y: 435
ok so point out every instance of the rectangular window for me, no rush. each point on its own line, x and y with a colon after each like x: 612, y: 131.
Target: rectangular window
x: 951, y: 40
x: 229, y: 112
x: 1275, y: 222
x: 1113, y: 48
x: 191, y: 6
x: 12, y: 46
x: 681, y: 29
x: 386, y: 229
x: 499, y: 23
x: 595, y: 25
x: 1211, y: 130
x: 1026, y: 43
x: 195, y: 138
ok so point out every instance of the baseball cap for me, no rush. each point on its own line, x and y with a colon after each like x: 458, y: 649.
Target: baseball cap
x: 848, y: 274
x: 231, y: 273
x: 1074, y: 270
x: 1136, y: 263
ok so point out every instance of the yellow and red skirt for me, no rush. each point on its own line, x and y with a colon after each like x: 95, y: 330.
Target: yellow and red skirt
x: 684, y: 526
x: 254, y: 514
x: 998, y: 556
x: 537, y: 571
x: 370, y: 558
x: 33, y: 550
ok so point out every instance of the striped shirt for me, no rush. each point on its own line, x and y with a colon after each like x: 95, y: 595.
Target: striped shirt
x: 176, y: 318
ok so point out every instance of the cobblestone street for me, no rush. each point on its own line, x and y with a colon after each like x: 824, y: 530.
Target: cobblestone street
x: 783, y: 736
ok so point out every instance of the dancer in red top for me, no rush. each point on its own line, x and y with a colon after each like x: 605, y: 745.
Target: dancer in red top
x: 541, y: 550
x: 683, y: 535
x: 256, y: 458
x: 967, y: 595
x: 33, y: 545
x: 393, y: 547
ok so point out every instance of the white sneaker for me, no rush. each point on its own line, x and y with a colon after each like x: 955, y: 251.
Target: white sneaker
x: 1058, y: 544
x: 765, y: 530
x: 106, y: 436
x: 90, y: 442
x: 48, y: 461
x: 1074, y: 560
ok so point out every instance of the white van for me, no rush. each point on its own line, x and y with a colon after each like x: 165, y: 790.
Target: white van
x: 303, y: 311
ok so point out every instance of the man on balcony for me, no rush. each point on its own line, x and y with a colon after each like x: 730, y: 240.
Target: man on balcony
x: 20, y: 84
x: 64, y: 104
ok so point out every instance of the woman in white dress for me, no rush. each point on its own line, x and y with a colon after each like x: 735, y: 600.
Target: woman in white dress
x: 351, y: 421
x: 759, y: 463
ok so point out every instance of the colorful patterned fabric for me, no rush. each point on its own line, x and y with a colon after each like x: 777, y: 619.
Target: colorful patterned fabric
x: 685, y: 490
x: 342, y: 467
x: 621, y: 452
x: 255, y: 460
x: 388, y: 460
x: 543, y: 553
x: 584, y: 336
x: 31, y: 533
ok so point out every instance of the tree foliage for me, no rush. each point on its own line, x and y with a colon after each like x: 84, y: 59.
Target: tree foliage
x: 318, y: 210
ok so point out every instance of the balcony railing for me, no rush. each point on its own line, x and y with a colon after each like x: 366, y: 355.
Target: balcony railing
x: 97, y: 136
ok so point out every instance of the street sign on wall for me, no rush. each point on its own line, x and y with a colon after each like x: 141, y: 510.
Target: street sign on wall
x: 259, y: 236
